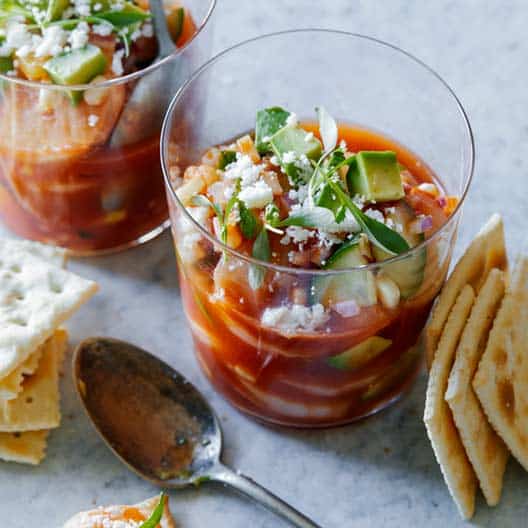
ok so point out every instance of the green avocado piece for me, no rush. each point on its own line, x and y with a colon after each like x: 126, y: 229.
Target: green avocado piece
x: 359, y: 355
x: 269, y: 121
x: 408, y: 272
x: 358, y: 285
x: 55, y: 9
x: 295, y: 139
x: 78, y: 66
x: 376, y: 176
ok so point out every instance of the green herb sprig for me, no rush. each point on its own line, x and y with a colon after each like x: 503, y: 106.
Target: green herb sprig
x: 156, y: 516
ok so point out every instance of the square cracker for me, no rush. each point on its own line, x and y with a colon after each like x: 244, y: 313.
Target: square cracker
x: 26, y: 448
x: 501, y: 381
x: 142, y: 511
x: 51, y: 254
x: 485, y: 449
x: 486, y: 251
x: 11, y: 385
x: 37, y: 406
x: 35, y: 298
x: 449, y: 451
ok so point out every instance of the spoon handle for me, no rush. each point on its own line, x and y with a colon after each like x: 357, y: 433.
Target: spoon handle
x: 165, y: 44
x: 251, y: 489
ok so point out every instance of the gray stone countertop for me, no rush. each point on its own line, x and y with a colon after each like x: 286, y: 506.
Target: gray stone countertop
x: 381, y: 471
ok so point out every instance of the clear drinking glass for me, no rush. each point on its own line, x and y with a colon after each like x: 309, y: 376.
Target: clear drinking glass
x: 86, y: 176
x: 273, y: 375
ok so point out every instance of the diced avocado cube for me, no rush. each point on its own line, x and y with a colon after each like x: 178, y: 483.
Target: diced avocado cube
x: 269, y: 121
x: 78, y: 66
x: 55, y: 9
x: 376, y: 176
x: 325, y: 197
x: 226, y: 157
x: 361, y: 354
x: 6, y: 64
x: 296, y: 140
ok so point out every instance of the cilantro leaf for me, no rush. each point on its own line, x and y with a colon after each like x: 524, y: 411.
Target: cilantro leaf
x: 379, y: 234
x: 272, y: 215
x: 312, y: 217
x: 248, y: 221
x: 156, y: 516
x: 261, y: 251
x: 269, y: 121
x: 226, y: 158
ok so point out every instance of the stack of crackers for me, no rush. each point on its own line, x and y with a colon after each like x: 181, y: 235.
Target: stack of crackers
x: 476, y: 410
x: 36, y: 297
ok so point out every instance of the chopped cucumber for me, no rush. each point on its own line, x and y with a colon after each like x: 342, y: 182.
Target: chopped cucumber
x: 407, y: 273
x: 296, y: 140
x: 78, y: 66
x: 358, y: 285
x: 376, y: 176
x: 269, y: 121
x: 359, y: 355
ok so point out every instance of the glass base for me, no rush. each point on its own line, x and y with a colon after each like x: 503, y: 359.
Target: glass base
x: 389, y: 399
x: 143, y: 239
x: 150, y: 235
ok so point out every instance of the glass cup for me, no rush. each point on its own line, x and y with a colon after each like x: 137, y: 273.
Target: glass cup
x: 293, y: 378
x: 79, y: 166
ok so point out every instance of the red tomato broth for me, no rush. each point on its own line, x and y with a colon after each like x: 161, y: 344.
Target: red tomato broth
x: 285, y: 378
x: 80, y: 193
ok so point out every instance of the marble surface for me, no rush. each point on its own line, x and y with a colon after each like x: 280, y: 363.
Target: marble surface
x: 380, y: 472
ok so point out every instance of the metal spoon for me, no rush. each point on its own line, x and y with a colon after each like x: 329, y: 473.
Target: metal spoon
x: 144, y: 110
x: 157, y: 423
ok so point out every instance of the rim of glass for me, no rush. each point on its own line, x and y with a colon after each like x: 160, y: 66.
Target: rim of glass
x: 125, y: 78
x: 164, y: 141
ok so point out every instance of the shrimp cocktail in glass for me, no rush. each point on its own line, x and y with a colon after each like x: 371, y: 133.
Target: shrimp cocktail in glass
x: 314, y: 210
x: 83, y: 90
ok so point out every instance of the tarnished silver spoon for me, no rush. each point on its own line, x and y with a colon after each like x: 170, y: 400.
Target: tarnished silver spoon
x: 157, y: 422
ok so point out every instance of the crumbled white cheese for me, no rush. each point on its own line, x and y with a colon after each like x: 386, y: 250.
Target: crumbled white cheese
x: 52, y: 42
x: 295, y: 317
x: 148, y: 30
x: 82, y: 7
x: 78, y: 38
x: 244, y: 169
x: 109, y: 517
x: 257, y: 196
x: 376, y: 215
x: 17, y: 37
x: 92, y: 120
x: 104, y: 29
x: 117, y: 62
x: 327, y: 240
x: 289, y: 157
x: 291, y: 120
x: 297, y: 235
x: 274, y: 160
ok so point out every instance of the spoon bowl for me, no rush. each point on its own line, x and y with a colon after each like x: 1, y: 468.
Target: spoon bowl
x: 157, y: 422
